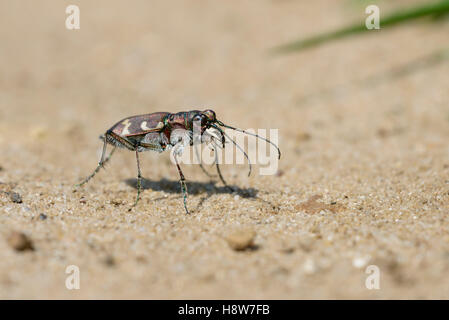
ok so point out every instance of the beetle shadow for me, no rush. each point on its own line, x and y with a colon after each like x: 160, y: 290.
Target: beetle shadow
x: 193, y: 187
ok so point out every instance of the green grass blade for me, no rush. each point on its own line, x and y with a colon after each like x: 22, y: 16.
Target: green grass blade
x: 403, y: 16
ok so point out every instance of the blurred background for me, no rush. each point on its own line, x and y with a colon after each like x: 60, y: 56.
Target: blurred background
x: 363, y: 126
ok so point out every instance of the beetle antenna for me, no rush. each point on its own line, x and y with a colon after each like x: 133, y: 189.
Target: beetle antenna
x: 251, y: 134
x: 223, y: 135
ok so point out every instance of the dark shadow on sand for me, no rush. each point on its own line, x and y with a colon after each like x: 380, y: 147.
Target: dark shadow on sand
x: 194, y: 188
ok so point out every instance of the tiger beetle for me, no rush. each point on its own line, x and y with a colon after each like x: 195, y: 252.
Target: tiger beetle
x: 163, y: 130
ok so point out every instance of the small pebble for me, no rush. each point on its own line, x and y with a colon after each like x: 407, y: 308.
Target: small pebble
x: 279, y: 173
x: 360, y: 262
x: 309, y: 266
x: 109, y: 260
x: 39, y: 132
x: 116, y: 202
x: 43, y: 216
x: 241, y: 239
x: 20, y: 242
x: 303, y: 136
x: 15, y: 197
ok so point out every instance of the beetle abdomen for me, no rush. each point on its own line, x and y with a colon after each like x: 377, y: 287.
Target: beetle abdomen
x: 154, y: 141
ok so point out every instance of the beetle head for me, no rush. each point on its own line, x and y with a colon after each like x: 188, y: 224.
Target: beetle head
x: 210, y: 115
x: 207, y: 118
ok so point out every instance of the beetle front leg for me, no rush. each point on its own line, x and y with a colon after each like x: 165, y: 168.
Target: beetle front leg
x: 217, y: 165
x: 198, y: 156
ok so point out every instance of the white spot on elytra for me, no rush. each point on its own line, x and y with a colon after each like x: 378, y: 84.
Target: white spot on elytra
x: 125, y: 130
x: 143, y: 126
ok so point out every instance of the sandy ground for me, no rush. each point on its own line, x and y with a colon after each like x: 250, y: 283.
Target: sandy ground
x: 363, y: 180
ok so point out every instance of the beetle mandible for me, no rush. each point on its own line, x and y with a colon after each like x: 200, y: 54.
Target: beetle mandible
x: 163, y: 130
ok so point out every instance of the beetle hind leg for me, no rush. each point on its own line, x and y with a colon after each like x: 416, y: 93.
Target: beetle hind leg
x: 100, y: 165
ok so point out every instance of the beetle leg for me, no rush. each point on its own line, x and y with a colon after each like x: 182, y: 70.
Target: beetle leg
x: 180, y: 138
x: 217, y: 165
x: 139, y: 179
x: 103, y: 152
x: 183, y: 184
x: 201, y: 164
x: 101, y: 164
x: 120, y: 141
